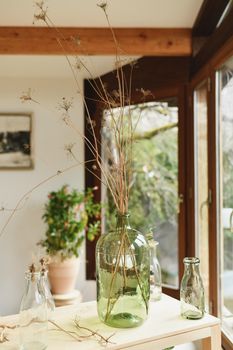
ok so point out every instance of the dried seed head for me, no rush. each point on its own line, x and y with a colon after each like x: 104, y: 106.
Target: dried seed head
x: 145, y: 93
x: 42, y: 14
x: 103, y: 5
x: 78, y: 65
x: 66, y: 104
x: 69, y: 150
x: 68, y: 147
x: 32, y: 268
x: 66, y: 119
x: 26, y: 95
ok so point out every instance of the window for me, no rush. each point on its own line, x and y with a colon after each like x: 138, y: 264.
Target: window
x: 225, y: 191
x: 213, y: 174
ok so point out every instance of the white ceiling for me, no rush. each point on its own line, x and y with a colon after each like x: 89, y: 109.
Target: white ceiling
x: 85, y: 13
x: 122, y: 13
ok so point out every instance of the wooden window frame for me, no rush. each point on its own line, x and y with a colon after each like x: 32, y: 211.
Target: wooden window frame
x: 208, y: 72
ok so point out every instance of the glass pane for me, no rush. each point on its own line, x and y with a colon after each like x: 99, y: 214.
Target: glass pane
x: 201, y: 183
x: 154, y: 188
x: 225, y: 105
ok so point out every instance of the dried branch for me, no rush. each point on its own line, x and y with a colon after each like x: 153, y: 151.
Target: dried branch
x: 3, y: 337
x: 71, y: 334
x: 102, y: 340
x: 95, y: 334
x: 118, y: 186
x: 27, y: 96
x: 8, y: 326
x: 27, y: 194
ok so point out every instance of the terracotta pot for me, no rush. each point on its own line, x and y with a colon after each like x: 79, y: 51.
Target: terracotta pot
x: 62, y: 275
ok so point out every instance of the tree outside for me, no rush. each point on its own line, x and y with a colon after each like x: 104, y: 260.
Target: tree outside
x: 154, y: 184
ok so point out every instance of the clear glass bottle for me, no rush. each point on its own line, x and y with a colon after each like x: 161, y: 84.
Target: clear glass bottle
x: 33, y: 320
x: 45, y: 290
x: 192, y: 290
x: 122, y: 276
x: 155, y: 272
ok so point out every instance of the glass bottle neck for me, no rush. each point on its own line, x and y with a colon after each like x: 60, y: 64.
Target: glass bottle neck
x: 122, y: 220
x: 191, y: 267
x: 33, y: 281
x: 44, y: 275
x: 191, y: 264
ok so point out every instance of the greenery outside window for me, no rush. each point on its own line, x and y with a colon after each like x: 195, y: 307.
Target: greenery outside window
x: 154, y: 189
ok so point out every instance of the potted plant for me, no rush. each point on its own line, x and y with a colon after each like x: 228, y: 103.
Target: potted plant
x: 68, y: 215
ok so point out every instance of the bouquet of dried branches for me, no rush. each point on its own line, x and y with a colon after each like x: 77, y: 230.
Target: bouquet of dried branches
x: 122, y: 256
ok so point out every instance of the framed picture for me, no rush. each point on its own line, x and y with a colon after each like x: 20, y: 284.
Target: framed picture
x: 15, y: 141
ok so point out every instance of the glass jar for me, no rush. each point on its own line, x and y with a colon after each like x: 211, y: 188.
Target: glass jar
x: 192, y: 290
x: 122, y: 275
x: 155, y: 272
x: 33, y: 320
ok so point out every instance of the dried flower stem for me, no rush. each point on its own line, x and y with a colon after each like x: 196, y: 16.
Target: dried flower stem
x: 118, y: 187
x: 133, y: 259
x: 3, y: 337
x: 71, y: 334
x: 44, y: 17
x: 114, y: 273
x: 28, y: 193
x: 103, y: 340
x: 8, y: 326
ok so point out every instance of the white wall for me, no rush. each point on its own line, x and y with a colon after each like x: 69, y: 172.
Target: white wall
x: 50, y: 135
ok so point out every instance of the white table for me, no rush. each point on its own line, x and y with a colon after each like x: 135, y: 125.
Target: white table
x: 163, y: 328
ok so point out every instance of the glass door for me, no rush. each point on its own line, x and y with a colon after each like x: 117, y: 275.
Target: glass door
x: 225, y: 193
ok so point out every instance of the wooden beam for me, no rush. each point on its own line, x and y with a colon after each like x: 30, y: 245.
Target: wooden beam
x: 95, y: 41
x: 220, y: 36
x: 208, y: 17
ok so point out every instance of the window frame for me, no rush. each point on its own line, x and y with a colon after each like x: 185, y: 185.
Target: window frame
x: 208, y: 72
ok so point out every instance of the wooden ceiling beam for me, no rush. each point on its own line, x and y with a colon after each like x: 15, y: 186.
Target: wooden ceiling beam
x: 95, y: 41
x: 208, y: 17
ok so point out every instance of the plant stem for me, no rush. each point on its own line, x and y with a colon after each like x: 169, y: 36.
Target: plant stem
x: 65, y: 331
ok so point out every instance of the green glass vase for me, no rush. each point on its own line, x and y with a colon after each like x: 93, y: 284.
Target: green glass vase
x: 123, y: 276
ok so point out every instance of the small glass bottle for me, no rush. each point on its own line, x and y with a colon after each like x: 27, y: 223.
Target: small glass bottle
x: 155, y: 270
x: 33, y: 320
x: 192, y: 290
x: 45, y: 291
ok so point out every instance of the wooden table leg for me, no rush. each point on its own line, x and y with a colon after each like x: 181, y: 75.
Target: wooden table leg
x: 214, y: 341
